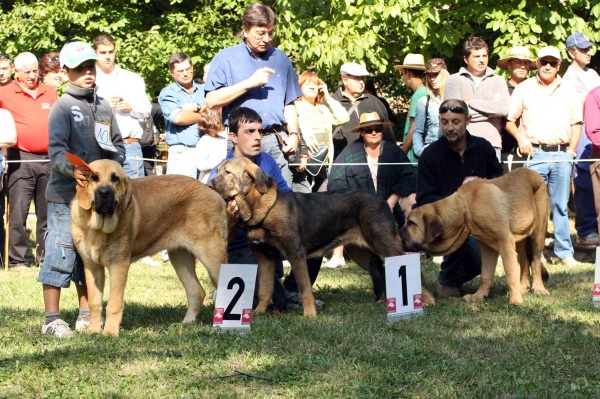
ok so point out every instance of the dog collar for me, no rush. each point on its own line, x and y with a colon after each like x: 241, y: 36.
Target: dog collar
x: 462, y: 201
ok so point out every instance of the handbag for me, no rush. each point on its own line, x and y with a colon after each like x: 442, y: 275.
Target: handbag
x: 148, y: 138
x: 316, y: 160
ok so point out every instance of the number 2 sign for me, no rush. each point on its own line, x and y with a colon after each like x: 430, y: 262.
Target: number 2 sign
x: 403, y: 287
x: 233, y: 306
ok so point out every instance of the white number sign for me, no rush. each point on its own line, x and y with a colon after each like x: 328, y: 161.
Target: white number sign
x: 233, y: 306
x: 403, y: 287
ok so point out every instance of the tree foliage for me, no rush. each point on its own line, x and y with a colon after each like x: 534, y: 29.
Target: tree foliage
x: 319, y: 35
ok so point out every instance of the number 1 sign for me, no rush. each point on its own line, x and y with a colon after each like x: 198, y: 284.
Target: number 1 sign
x: 233, y: 306
x: 403, y: 287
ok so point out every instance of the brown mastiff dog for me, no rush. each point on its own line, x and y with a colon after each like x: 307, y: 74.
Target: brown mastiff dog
x: 284, y: 225
x: 501, y: 214
x: 116, y: 221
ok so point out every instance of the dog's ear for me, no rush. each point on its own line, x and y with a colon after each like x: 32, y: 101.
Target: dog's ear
x: 433, y: 225
x: 85, y: 202
x: 128, y: 198
x: 259, y: 178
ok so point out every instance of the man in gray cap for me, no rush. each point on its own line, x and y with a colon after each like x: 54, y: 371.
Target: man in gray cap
x: 353, y: 97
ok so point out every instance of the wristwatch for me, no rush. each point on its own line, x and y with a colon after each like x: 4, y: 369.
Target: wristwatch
x: 198, y: 107
x: 294, y: 133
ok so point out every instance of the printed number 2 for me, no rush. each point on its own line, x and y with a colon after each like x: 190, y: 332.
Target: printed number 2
x: 236, y: 297
x: 402, y: 275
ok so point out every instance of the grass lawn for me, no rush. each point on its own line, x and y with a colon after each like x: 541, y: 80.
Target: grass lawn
x: 547, y: 348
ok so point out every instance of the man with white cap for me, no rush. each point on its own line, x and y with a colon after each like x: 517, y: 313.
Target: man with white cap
x: 353, y: 97
x: 519, y: 63
x: 585, y: 79
x: 29, y: 101
x: 484, y: 92
x: 550, y: 115
x: 412, y: 69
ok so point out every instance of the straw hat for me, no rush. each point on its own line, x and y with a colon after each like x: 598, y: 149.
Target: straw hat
x: 517, y: 53
x: 369, y: 119
x: 412, y: 61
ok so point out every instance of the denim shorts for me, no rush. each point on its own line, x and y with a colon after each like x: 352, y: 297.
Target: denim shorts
x: 62, y: 263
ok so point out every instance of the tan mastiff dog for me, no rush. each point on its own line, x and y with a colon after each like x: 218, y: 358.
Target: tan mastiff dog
x: 507, y: 216
x: 116, y: 221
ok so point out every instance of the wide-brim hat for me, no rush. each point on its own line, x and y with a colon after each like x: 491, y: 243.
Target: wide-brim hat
x: 517, y: 53
x: 369, y: 119
x: 74, y: 53
x: 412, y: 61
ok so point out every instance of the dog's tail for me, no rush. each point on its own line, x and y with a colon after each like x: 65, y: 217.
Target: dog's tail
x: 377, y: 272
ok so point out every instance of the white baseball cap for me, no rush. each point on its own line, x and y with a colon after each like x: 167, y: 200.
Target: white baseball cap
x: 74, y: 53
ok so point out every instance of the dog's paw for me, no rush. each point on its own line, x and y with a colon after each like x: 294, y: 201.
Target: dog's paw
x: 110, y: 330
x: 516, y: 301
x: 473, y: 298
x: 540, y: 291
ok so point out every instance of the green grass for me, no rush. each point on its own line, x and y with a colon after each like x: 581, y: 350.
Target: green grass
x: 546, y: 348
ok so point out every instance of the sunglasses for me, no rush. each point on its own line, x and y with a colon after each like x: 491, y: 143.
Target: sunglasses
x: 553, y: 64
x: 85, y: 66
x: 369, y: 130
x: 53, y: 59
x: 4, y: 57
x: 453, y: 108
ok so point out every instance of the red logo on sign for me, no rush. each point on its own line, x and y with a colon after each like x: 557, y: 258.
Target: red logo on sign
x: 218, y: 316
x: 391, y: 305
x: 417, y: 301
x: 246, y: 316
x: 596, y: 289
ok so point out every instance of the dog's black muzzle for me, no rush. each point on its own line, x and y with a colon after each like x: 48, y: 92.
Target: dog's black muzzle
x: 104, y: 200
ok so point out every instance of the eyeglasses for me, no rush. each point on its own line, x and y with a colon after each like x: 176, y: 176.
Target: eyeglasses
x: 85, y: 66
x: 553, y: 64
x: 453, y: 108
x: 369, y: 130
x: 355, y: 78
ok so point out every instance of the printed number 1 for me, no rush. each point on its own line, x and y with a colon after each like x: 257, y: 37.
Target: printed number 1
x: 236, y: 297
x: 402, y: 275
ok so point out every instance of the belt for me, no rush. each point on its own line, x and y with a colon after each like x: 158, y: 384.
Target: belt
x: 130, y: 140
x: 272, y: 130
x: 551, y: 148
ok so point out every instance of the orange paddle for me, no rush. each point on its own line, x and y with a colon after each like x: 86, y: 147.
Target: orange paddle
x: 75, y: 160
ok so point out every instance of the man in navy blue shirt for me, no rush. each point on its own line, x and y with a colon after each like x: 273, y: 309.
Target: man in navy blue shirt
x: 255, y: 75
x: 245, y: 133
x: 446, y: 164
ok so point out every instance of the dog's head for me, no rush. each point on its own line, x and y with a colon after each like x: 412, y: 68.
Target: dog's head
x: 236, y: 176
x: 106, y: 194
x: 421, y: 229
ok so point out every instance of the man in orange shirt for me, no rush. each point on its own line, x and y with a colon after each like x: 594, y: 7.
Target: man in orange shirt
x: 29, y: 102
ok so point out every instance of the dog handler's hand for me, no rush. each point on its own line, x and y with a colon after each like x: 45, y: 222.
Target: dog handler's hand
x: 232, y: 208
x: 311, y: 142
x: 81, y: 175
x: 260, y: 77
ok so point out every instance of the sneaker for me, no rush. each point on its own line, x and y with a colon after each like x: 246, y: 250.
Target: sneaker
x: 81, y: 325
x: 58, y: 327
x: 165, y: 255
x: 294, y: 302
x: 438, y: 260
x: 570, y: 262
x: 335, y: 262
x: 447, y: 292
x: 150, y: 262
x: 590, y: 239
x: 286, y: 263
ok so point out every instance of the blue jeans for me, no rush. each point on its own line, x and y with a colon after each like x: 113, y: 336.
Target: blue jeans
x: 62, y: 263
x: 557, y: 176
x: 134, y: 168
x: 181, y: 161
x: 461, y: 266
x: 270, y: 145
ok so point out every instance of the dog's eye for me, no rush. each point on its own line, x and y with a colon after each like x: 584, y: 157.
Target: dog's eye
x: 114, y: 178
x: 227, y: 172
x: 95, y: 178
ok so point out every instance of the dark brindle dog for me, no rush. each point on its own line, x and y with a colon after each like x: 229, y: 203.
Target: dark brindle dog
x: 283, y: 225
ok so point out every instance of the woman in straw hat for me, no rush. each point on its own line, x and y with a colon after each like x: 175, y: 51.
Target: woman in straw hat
x: 427, y: 124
